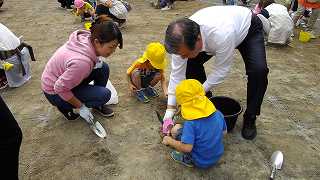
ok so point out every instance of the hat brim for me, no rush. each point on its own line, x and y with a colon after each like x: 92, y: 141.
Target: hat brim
x: 192, y: 111
x: 161, y: 66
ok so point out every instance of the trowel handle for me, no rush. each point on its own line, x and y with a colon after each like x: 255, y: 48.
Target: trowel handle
x: 273, y: 173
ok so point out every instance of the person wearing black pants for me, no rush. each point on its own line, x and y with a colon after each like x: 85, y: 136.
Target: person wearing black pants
x: 218, y: 31
x: 66, y: 3
x: 10, y: 141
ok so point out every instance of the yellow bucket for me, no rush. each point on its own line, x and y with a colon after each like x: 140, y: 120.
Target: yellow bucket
x: 304, y: 36
x: 87, y: 25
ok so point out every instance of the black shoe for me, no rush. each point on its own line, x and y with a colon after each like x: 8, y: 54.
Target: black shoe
x: 249, y: 129
x: 105, y: 111
x: 69, y: 114
x: 69, y: 7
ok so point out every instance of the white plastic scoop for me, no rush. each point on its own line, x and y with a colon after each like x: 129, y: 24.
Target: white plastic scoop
x: 98, y: 129
x: 276, y: 163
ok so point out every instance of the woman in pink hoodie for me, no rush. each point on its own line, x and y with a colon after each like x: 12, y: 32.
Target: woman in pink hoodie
x: 66, y: 77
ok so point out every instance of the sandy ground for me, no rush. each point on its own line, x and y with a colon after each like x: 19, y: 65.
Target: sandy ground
x: 53, y: 148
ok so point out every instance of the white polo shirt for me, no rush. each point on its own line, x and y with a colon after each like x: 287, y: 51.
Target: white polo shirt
x: 8, y: 40
x: 222, y: 28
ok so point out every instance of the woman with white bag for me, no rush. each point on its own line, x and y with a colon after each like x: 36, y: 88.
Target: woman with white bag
x: 66, y: 77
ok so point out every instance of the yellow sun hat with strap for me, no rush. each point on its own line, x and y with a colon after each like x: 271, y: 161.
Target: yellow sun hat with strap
x: 191, y: 97
x: 156, y: 54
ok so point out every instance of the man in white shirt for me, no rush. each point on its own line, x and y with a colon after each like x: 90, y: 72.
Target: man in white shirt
x: 218, y: 31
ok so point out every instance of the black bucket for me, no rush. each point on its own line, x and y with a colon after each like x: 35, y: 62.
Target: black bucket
x: 229, y: 107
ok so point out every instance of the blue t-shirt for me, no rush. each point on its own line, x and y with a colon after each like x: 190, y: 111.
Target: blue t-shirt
x: 206, y: 136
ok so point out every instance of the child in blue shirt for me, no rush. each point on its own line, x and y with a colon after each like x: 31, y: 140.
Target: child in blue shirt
x: 199, y: 141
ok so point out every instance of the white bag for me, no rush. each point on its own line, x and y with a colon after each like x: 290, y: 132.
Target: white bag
x: 14, y: 76
x: 114, y: 94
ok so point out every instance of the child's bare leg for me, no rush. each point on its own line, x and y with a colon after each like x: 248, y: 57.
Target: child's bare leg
x: 157, y: 77
x: 174, y: 130
x: 136, y: 79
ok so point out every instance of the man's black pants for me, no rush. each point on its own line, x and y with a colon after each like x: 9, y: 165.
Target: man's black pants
x: 10, y: 141
x: 253, y: 52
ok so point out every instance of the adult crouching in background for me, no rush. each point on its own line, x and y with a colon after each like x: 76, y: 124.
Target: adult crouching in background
x: 114, y: 9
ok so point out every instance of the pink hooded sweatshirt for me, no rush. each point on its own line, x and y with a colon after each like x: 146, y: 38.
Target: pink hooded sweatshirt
x: 69, y: 65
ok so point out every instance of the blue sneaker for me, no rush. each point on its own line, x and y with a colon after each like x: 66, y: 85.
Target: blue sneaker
x: 151, y: 92
x: 141, y: 96
x: 182, y: 158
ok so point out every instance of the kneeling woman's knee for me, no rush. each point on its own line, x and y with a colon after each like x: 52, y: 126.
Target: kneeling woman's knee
x: 104, y: 95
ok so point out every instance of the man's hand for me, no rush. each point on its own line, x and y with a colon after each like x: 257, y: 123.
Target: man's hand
x: 169, y: 114
x: 166, y: 140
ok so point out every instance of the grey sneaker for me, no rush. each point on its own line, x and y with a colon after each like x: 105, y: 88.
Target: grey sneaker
x: 141, y: 96
x: 151, y: 92
x: 166, y: 8
x: 105, y: 111
x: 182, y: 158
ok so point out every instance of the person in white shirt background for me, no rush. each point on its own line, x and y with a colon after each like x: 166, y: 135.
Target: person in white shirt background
x: 218, y: 31
x: 277, y: 23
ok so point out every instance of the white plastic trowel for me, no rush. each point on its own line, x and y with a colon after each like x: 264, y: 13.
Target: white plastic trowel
x: 97, y: 128
x: 276, y: 163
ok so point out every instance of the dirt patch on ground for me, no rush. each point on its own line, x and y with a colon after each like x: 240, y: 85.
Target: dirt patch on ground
x: 53, y: 148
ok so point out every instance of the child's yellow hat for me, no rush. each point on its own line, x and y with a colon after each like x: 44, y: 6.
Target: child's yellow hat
x: 191, y: 97
x: 156, y: 54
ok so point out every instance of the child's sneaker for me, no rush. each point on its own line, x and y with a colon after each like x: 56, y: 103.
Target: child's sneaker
x: 182, y: 158
x: 166, y: 8
x: 105, y: 111
x: 141, y: 96
x: 150, y: 92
